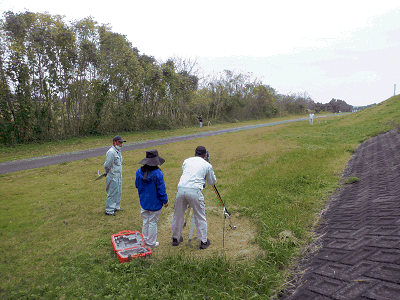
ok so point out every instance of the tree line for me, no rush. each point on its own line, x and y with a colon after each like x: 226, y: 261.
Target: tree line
x: 61, y: 79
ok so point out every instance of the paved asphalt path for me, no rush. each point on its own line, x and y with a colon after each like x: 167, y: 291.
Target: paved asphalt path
x: 358, y: 253
x: 42, y: 161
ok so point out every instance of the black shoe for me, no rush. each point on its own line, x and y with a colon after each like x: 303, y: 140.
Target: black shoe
x: 107, y: 214
x: 205, y: 245
x: 118, y: 209
x: 175, y: 241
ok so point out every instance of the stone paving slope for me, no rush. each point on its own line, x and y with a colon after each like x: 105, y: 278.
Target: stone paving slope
x: 360, y: 231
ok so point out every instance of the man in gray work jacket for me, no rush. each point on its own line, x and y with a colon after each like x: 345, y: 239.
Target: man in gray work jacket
x: 195, y: 172
x: 113, y: 168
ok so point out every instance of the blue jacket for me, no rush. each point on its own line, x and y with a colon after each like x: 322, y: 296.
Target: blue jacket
x: 152, y: 192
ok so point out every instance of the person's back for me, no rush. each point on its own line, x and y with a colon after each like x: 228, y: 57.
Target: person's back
x: 152, y: 195
x: 151, y: 188
x: 195, y: 172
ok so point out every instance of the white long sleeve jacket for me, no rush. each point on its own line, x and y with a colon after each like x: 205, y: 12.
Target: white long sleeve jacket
x: 195, y: 172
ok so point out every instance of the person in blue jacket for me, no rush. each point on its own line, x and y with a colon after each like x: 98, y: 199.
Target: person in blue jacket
x: 152, y: 194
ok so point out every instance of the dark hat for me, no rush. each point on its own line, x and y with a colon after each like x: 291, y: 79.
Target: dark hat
x: 201, y: 150
x: 118, y: 138
x: 152, y: 158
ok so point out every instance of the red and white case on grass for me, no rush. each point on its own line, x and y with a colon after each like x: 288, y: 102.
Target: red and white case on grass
x: 129, y: 245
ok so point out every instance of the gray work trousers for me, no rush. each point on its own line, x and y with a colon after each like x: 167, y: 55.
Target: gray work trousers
x: 194, y: 198
x: 150, y: 228
x: 114, y: 190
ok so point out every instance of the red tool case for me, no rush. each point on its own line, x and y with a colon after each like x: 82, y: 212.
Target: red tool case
x: 129, y: 245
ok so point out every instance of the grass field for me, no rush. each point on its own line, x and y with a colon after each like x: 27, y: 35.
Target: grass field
x: 55, y: 240
x: 66, y: 146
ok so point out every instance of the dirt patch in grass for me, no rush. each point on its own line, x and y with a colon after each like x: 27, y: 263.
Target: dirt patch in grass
x: 238, y: 244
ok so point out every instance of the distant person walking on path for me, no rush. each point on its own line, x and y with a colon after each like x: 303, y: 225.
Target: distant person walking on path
x: 152, y: 194
x: 195, y: 172
x: 311, y: 116
x: 113, y: 169
x: 201, y: 121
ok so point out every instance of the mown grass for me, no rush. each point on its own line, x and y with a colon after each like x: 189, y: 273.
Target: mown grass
x: 55, y: 240
x: 83, y: 143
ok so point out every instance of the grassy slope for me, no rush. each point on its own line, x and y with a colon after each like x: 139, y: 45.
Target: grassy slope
x: 51, y: 148
x: 55, y: 242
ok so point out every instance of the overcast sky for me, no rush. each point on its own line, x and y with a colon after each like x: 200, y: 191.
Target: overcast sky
x: 348, y: 50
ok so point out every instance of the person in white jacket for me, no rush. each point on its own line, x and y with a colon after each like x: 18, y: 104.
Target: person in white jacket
x: 196, y: 171
x: 113, y: 169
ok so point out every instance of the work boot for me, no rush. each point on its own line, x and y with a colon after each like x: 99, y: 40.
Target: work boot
x: 205, y: 245
x: 175, y: 241
x: 154, y: 246
x: 107, y: 214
